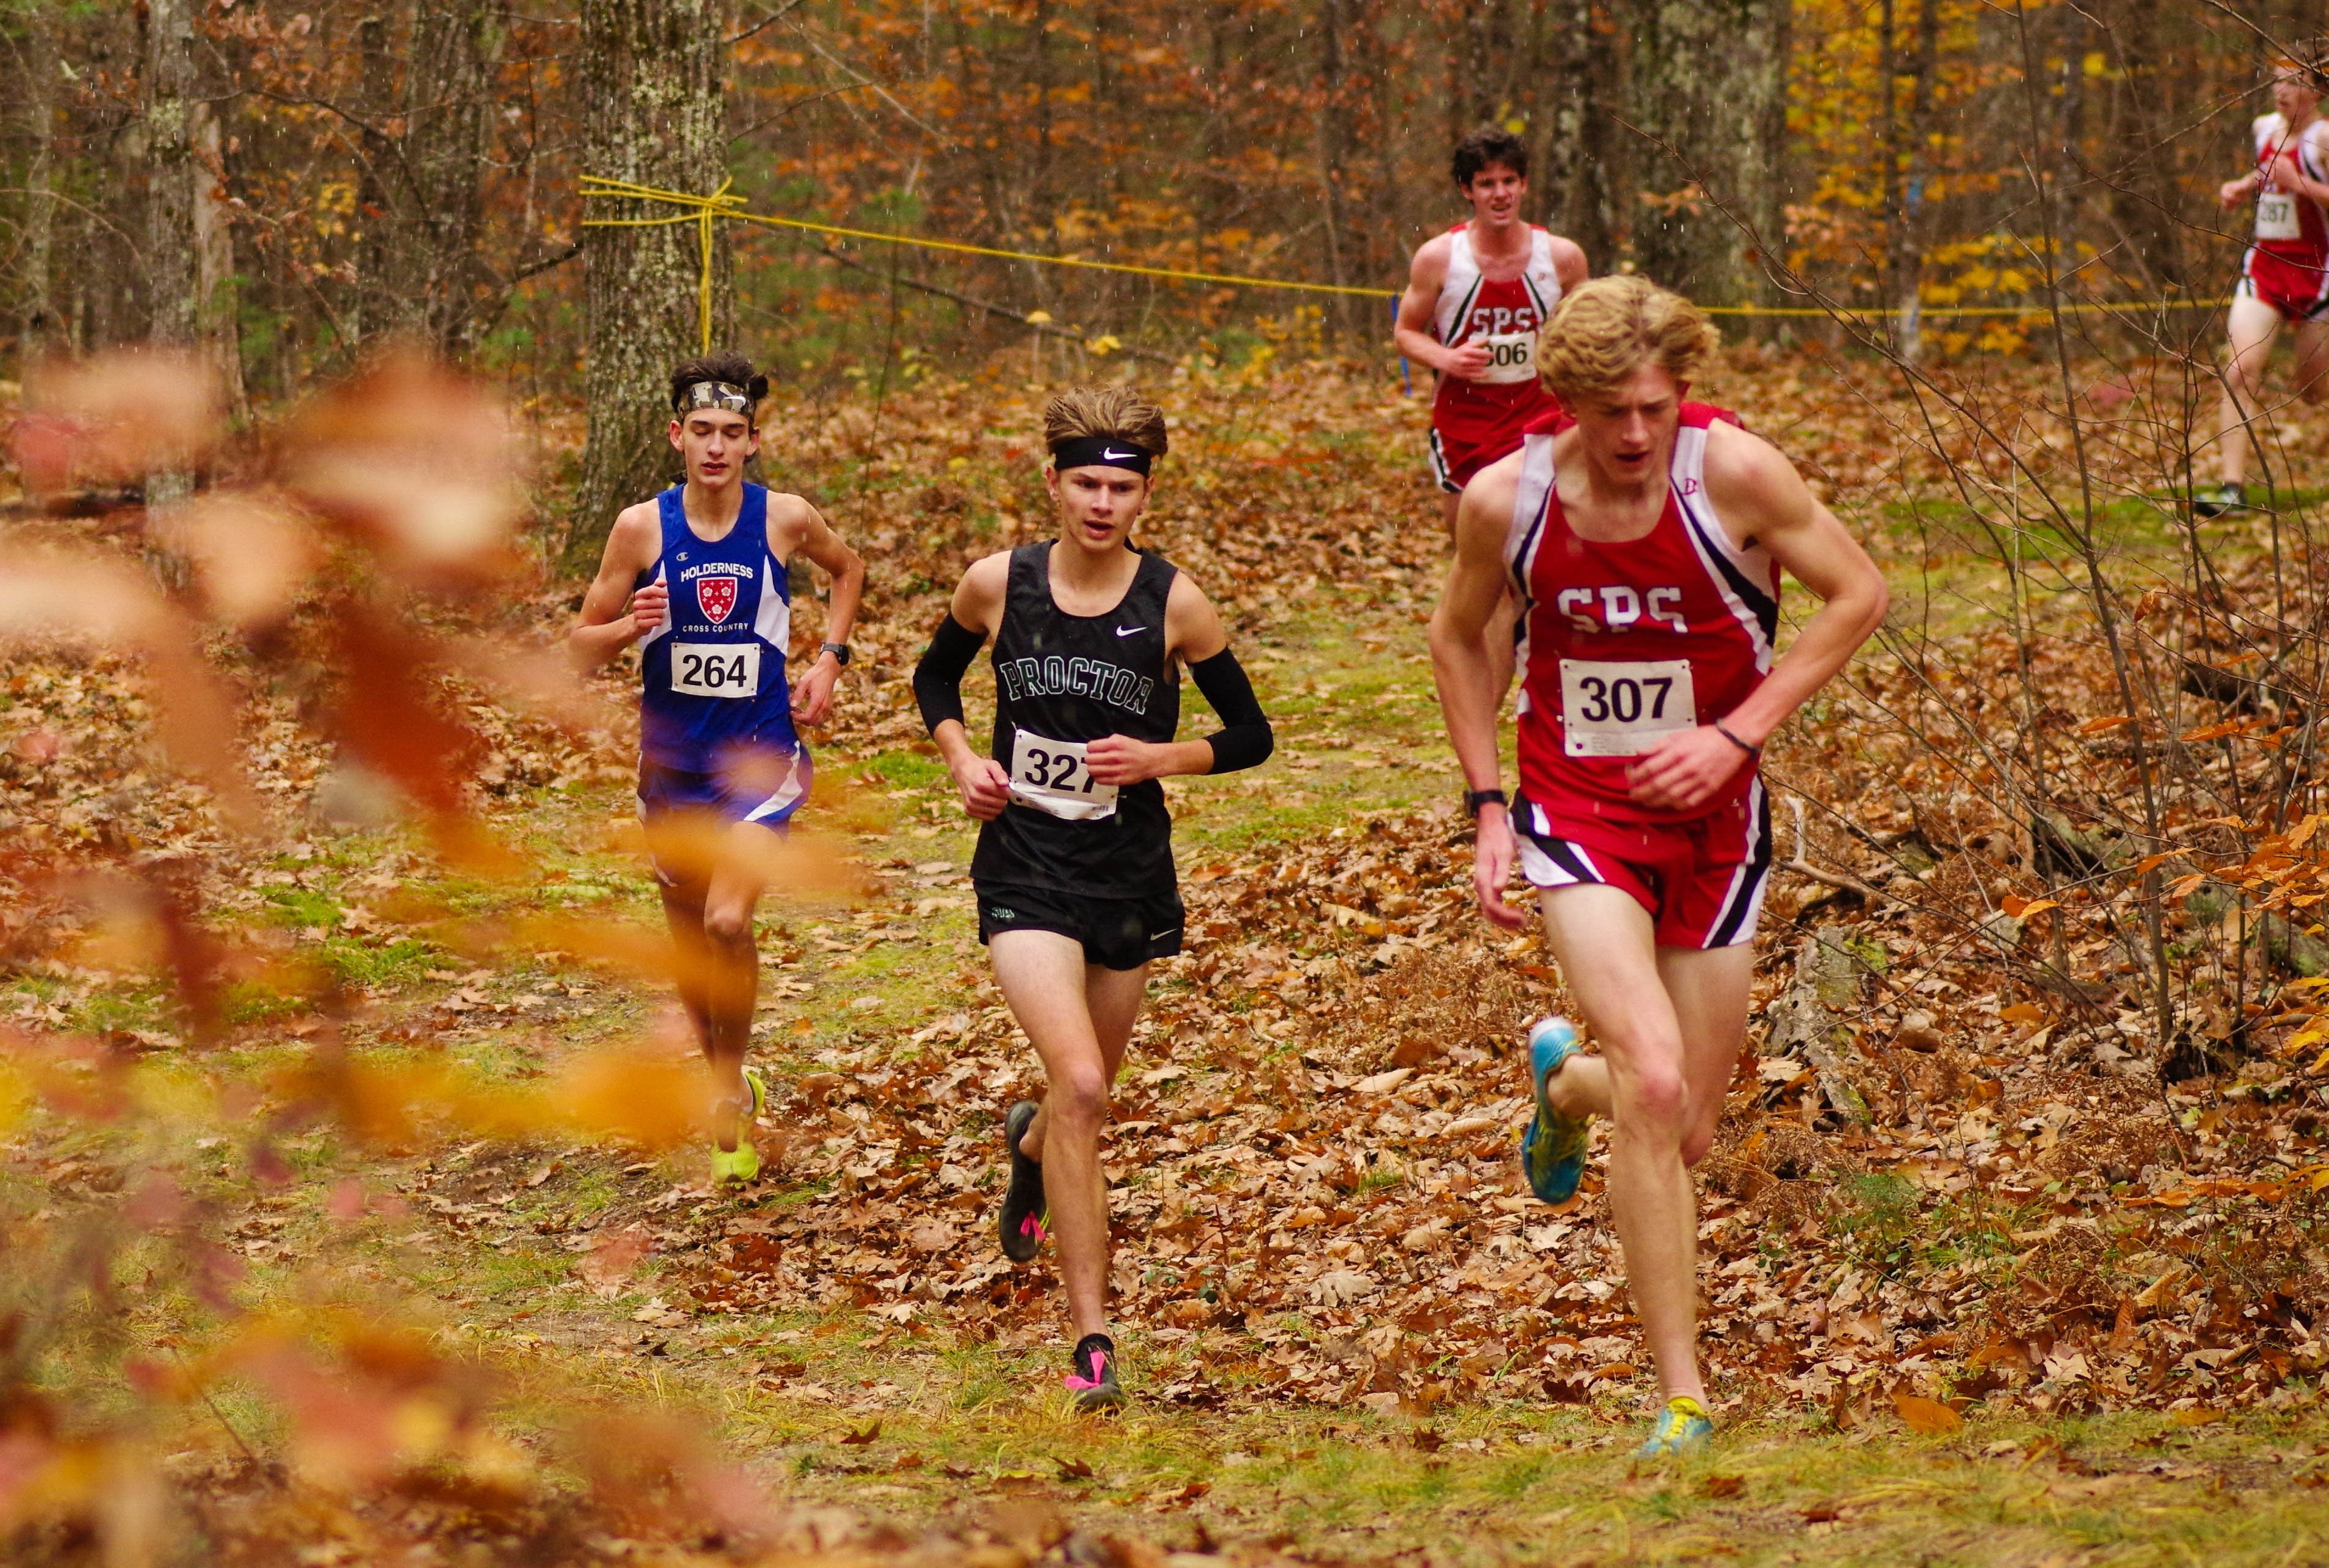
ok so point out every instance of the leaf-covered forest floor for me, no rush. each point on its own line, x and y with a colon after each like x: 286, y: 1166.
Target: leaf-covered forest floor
x: 1994, y: 1274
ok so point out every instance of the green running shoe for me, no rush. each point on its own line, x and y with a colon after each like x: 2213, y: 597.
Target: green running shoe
x: 1683, y: 1428
x: 742, y: 1163
x: 1552, y: 1149
x: 2220, y: 499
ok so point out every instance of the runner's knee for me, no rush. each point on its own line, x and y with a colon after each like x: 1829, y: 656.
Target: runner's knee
x: 727, y: 927
x: 1653, y: 1099
x: 1079, y: 1097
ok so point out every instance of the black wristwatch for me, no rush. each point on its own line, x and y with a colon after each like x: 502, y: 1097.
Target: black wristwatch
x: 840, y: 652
x: 1475, y: 799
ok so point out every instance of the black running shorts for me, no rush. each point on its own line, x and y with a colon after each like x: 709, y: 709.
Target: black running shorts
x: 1116, y: 932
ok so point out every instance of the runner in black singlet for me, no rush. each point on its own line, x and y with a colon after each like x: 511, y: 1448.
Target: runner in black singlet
x: 1074, y: 865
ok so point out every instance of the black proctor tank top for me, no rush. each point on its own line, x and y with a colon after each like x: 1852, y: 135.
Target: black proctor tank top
x: 1061, y: 682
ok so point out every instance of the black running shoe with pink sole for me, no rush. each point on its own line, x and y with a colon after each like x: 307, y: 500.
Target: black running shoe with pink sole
x: 1093, y: 1382
x: 1021, y: 1220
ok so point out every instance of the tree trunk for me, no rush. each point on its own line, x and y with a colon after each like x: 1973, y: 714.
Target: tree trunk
x: 377, y: 185
x: 1582, y: 171
x: 1709, y: 82
x: 170, y: 239
x: 438, y: 272
x: 1905, y: 266
x: 170, y: 186
x: 217, y: 311
x: 38, y: 323
x: 1333, y: 153
x: 651, y: 75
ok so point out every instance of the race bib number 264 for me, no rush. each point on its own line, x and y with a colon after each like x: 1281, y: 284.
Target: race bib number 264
x: 716, y: 668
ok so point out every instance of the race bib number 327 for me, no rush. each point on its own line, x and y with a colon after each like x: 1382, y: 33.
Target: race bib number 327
x: 1621, y: 709
x: 1055, y: 777
x: 716, y: 668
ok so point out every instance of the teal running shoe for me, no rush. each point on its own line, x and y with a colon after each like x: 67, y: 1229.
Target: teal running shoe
x: 1552, y: 1149
x: 2220, y: 499
x: 1683, y: 1428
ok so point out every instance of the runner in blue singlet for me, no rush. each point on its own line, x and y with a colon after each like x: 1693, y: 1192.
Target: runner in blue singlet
x: 699, y: 577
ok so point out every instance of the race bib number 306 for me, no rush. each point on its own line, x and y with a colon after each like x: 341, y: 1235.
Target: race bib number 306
x: 1512, y: 357
x: 1611, y: 709
x: 2276, y: 217
x: 716, y: 668
x: 1054, y: 777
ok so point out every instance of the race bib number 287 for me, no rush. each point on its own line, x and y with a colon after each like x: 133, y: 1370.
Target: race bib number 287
x: 716, y: 668
x: 2276, y: 217
x: 1621, y: 709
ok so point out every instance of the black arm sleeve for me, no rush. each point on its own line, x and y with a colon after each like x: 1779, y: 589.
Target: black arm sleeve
x: 1247, y: 742
x: 938, y: 679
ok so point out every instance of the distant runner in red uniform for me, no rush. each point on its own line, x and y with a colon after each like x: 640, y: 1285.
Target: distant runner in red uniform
x: 2284, y: 274
x: 1645, y: 537
x: 1477, y: 297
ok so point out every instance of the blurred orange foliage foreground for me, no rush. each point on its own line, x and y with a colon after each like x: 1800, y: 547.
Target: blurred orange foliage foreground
x: 351, y: 556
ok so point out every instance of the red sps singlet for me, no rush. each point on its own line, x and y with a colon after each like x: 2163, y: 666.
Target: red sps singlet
x: 1623, y: 643
x: 1474, y: 422
x: 2288, y: 267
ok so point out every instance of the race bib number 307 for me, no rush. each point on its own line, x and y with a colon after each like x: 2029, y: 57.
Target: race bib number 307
x: 2276, y: 217
x: 1054, y: 777
x: 1512, y: 357
x: 716, y: 668
x: 1611, y: 709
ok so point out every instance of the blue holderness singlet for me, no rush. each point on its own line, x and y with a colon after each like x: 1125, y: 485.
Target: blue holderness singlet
x: 715, y: 715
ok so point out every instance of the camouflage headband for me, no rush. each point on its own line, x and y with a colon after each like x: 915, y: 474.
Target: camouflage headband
x: 715, y: 395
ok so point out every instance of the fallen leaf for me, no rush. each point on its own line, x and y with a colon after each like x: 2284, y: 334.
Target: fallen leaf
x: 1929, y: 1416
x: 860, y: 1438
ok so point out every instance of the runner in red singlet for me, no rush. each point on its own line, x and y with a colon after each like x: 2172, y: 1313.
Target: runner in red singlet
x: 1477, y: 297
x: 1644, y: 537
x: 2283, y: 274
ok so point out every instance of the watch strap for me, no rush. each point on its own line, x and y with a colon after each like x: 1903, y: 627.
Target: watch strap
x: 1475, y: 799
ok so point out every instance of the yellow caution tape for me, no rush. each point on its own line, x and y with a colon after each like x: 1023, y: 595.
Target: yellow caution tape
x: 702, y: 210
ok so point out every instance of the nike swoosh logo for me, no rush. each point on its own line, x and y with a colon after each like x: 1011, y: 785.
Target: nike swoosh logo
x: 1160, y: 936
x: 1113, y: 456
x: 1128, y: 631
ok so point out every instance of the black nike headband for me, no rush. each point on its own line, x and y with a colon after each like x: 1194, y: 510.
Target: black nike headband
x: 1099, y: 451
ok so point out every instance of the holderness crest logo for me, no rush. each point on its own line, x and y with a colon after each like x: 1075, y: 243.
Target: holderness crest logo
x: 717, y: 596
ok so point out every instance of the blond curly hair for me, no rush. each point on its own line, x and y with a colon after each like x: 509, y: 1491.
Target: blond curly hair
x: 1605, y: 330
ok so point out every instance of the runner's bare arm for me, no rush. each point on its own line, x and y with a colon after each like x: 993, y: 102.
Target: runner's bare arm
x: 1412, y: 332
x: 976, y: 610
x: 1568, y: 263
x: 1753, y: 487
x: 613, y: 617
x: 2289, y: 174
x: 1468, y: 697
x: 1192, y: 633
x: 796, y: 525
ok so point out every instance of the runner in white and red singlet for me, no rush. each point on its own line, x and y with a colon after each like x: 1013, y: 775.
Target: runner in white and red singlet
x: 1645, y: 537
x: 1476, y: 298
x: 2284, y: 273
